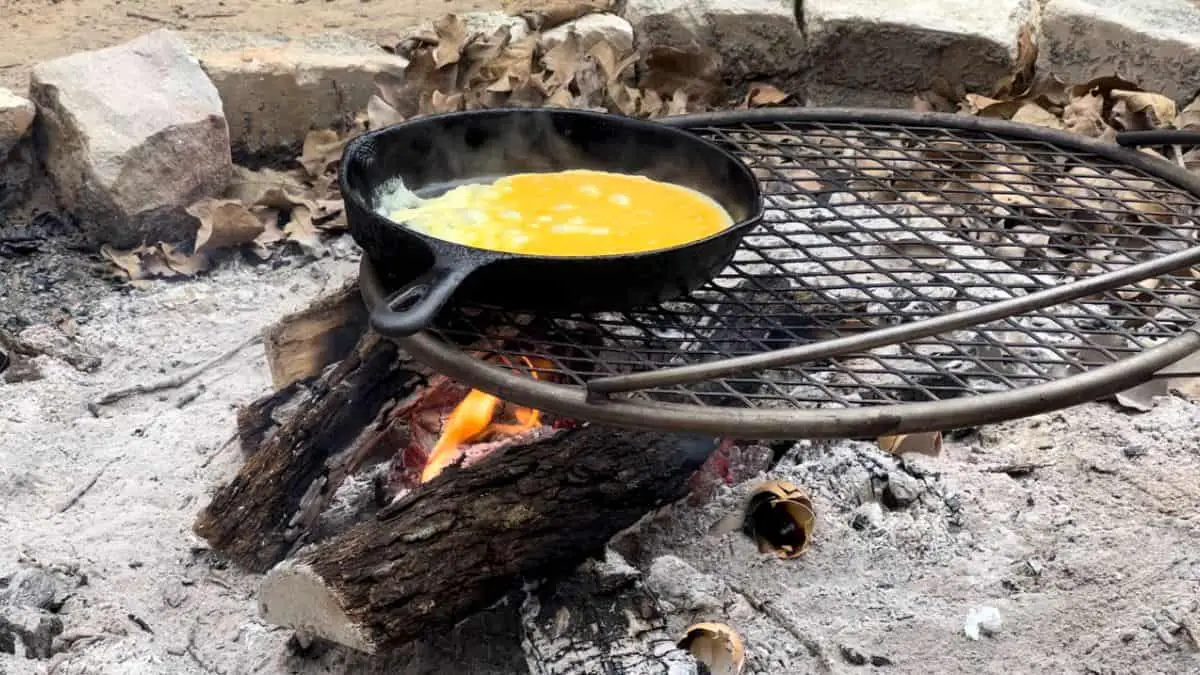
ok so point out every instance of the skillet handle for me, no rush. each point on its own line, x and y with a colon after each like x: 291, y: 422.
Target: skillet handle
x: 414, y: 307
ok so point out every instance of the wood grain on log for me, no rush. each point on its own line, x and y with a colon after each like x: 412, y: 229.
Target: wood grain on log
x: 302, y: 344
x: 249, y: 519
x: 600, y: 619
x: 460, y: 542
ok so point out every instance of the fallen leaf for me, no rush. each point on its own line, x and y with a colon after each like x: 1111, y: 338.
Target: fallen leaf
x: 183, y: 263
x: 562, y: 60
x: 1032, y: 113
x: 1150, y: 111
x: 265, y: 187
x: 761, y: 94
x: 1019, y: 82
x: 300, y: 229
x: 380, y: 114
x: 1084, y: 115
x: 1189, y: 117
x: 322, y: 148
x: 451, y: 38
x: 224, y: 223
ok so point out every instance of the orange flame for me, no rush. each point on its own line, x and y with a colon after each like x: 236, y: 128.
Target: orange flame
x: 475, y: 419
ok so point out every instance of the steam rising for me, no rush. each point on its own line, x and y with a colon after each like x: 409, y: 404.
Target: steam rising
x: 481, y: 146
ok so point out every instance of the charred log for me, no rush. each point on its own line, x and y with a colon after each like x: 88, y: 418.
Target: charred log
x: 462, y: 541
x: 600, y: 619
x: 252, y: 520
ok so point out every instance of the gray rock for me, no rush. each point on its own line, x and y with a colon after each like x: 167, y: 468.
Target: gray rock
x: 903, y: 47
x: 28, y: 632
x: 901, y: 489
x: 31, y: 587
x: 667, y: 23
x: 754, y: 38
x: 1155, y: 43
x: 16, y: 116
x: 594, y: 28
x: 276, y: 89
x: 133, y: 135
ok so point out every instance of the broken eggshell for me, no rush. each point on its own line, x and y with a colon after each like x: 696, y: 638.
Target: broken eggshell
x: 717, y: 646
x: 779, y: 517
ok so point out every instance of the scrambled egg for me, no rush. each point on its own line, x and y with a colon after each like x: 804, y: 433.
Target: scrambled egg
x: 569, y: 213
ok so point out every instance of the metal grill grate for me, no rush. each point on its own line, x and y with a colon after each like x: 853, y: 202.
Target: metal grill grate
x: 872, y: 225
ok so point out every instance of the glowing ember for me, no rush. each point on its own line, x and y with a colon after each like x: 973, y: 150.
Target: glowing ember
x: 479, y: 417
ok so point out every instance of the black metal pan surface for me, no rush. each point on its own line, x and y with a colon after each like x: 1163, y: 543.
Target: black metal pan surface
x: 434, y: 154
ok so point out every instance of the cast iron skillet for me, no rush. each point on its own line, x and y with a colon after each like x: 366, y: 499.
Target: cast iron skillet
x: 433, y: 154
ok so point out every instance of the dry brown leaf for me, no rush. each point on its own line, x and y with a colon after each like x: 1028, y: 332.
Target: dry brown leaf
x: 322, y: 148
x: 157, y: 261
x: 1146, y: 110
x: 613, y: 66
x: 451, y: 38
x: 1020, y: 81
x: 562, y: 60
x: 380, y: 114
x: 224, y: 223
x: 184, y: 264
x: 761, y: 94
x: 1032, y: 113
x: 1084, y: 115
x: 265, y: 187
x: 678, y: 104
x: 1189, y: 117
x: 300, y: 229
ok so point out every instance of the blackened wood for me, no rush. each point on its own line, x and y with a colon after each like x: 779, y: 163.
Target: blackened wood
x: 599, y: 619
x: 248, y: 519
x: 459, y: 543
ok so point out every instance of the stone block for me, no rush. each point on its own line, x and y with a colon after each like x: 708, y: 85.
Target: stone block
x: 754, y: 38
x: 1155, y: 43
x: 667, y: 23
x: 904, y: 47
x: 16, y: 116
x: 276, y: 89
x: 594, y: 28
x: 131, y: 135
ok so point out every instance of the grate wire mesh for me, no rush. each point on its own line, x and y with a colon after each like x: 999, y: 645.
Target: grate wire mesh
x: 871, y: 225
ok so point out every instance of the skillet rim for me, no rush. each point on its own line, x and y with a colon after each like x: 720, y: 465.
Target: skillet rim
x: 738, y: 228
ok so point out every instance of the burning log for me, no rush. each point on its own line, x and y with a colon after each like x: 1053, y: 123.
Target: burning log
x: 601, y: 619
x: 481, y: 496
x: 254, y: 520
x: 458, y: 543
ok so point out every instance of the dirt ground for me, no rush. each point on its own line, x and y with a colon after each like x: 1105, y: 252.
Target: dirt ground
x: 43, y: 29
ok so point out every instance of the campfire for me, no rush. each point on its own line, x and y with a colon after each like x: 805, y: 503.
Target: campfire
x: 446, y: 426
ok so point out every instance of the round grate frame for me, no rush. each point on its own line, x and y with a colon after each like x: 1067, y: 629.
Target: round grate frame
x: 879, y: 220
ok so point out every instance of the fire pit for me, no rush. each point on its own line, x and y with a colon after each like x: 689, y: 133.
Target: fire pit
x: 914, y: 272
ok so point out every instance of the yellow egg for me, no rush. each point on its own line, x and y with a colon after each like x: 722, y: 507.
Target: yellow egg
x: 524, y: 213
